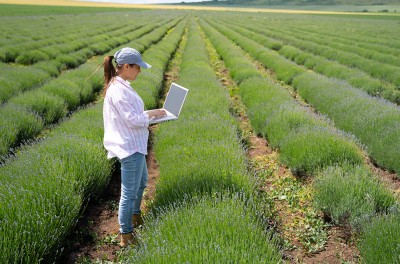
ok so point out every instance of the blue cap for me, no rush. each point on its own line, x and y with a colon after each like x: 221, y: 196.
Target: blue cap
x: 130, y: 56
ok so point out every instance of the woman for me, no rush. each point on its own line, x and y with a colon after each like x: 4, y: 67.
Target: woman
x: 126, y: 134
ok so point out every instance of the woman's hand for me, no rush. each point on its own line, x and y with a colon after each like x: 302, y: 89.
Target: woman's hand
x: 156, y: 113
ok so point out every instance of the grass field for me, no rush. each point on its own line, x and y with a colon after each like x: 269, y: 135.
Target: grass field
x: 320, y: 89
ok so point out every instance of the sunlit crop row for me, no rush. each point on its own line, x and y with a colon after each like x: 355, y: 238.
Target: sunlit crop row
x: 46, y: 183
x: 204, y: 210
x: 348, y: 194
x: 18, y: 79
x: 52, y: 101
x: 377, y: 76
x: 373, y: 121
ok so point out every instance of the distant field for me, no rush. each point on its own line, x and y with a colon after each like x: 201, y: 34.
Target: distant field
x: 29, y: 10
x: 327, y: 8
x: 271, y: 9
x: 342, y: 8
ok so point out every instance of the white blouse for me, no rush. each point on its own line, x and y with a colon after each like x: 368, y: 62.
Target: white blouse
x: 125, y: 122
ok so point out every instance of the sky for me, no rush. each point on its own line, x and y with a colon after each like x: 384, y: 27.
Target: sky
x: 144, y: 1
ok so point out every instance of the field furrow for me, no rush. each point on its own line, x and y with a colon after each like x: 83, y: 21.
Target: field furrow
x: 337, y: 99
x: 204, y: 208
x: 287, y: 148
x: 273, y: 114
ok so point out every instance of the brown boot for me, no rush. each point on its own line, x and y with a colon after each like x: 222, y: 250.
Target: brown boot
x: 137, y: 220
x: 127, y: 239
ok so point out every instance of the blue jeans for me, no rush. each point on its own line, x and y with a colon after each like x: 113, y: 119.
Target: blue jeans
x: 133, y: 182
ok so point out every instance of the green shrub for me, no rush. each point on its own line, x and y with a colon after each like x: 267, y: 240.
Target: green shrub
x: 380, y: 240
x: 51, y: 51
x: 259, y: 111
x: 207, y: 162
x: 306, y: 141
x: 284, y: 69
x: 8, y: 54
x: 261, y: 39
x: 207, y: 153
x: 100, y: 48
x: 51, y: 108
x: 210, y: 230
x: 375, y: 122
x: 17, y: 124
x: 17, y: 79
x: 311, y: 148
x: 240, y: 69
x: 65, y: 89
x: 84, y: 53
x: 45, y: 187
x: 392, y: 95
x: 69, y: 60
x: 87, y: 92
x: 7, y: 90
x: 350, y: 194
x: 52, y: 67
x: 332, y: 48
x: 88, y: 120
x: 31, y: 57
x: 285, y: 119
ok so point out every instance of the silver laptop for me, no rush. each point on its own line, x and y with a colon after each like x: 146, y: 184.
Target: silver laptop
x: 173, y: 104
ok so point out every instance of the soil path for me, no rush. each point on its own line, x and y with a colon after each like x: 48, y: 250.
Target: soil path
x: 338, y: 247
x: 96, y: 235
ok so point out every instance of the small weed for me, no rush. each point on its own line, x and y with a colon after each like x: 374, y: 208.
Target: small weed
x: 288, y: 245
x: 110, y: 239
x: 264, y: 166
x: 313, y: 237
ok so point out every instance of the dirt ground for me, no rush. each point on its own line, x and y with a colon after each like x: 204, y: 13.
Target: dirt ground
x: 96, y: 235
x: 338, y: 249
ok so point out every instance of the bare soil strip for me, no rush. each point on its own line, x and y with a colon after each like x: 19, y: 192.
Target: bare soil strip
x: 339, y: 246
x: 289, y: 221
x: 96, y: 235
x: 390, y: 179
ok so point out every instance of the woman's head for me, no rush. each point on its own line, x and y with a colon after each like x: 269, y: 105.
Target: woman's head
x: 128, y: 65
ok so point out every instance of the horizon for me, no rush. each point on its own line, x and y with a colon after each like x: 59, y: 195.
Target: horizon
x: 144, y: 1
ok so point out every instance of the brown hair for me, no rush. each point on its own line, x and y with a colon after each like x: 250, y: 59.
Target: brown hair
x: 109, y: 72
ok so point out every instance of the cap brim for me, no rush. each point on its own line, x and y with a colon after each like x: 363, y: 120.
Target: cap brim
x: 144, y: 65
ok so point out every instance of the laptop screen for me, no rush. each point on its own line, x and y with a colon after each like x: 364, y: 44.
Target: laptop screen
x: 175, y: 98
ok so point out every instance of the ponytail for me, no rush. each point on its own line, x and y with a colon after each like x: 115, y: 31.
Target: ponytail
x: 109, y: 72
